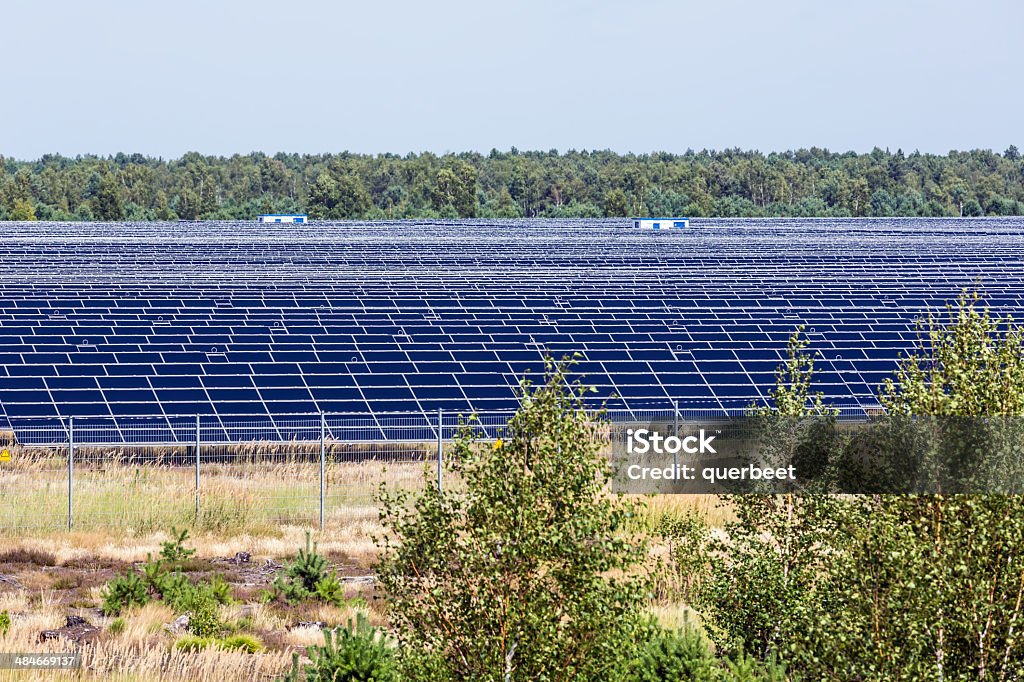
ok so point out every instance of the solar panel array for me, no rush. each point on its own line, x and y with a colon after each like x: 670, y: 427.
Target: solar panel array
x: 219, y: 319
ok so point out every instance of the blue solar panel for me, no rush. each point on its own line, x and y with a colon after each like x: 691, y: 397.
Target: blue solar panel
x: 232, y: 318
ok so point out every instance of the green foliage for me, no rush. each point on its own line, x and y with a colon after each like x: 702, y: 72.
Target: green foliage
x: 971, y: 365
x: 174, y: 551
x: 762, y: 587
x: 174, y: 588
x: 194, y: 643
x: 220, y: 590
x: 875, y: 587
x: 307, y: 577
x: 123, y: 592
x: 684, y: 654
x: 342, y: 197
x: 732, y: 182
x: 746, y: 668
x: 201, y: 607
x: 154, y: 575
x: 247, y: 643
x: 5, y: 623
x: 108, y: 202
x: 357, y: 653
x: 329, y: 589
x: 244, y: 643
x: 615, y: 203
x: 671, y: 655
x: 22, y: 210
x: 929, y: 587
x: 688, y: 541
x: 455, y: 188
x: 308, y: 568
x: 116, y: 626
x: 199, y: 601
x: 527, y: 567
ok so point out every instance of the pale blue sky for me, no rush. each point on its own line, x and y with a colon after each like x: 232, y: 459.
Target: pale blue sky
x: 221, y: 77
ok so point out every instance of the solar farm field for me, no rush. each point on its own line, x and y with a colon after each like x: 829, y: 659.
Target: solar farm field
x: 232, y: 320
x: 253, y: 382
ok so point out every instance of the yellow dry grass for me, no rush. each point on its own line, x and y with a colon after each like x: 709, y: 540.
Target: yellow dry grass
x: 711, y: 508
x: 257, y: 503
x: 143, y: 647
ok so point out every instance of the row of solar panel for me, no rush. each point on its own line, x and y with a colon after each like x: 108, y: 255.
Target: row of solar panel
x: 336, y: 320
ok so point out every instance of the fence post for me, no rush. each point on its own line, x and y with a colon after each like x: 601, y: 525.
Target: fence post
x: 197, y: 468
x: 440, y: 447
x: 675, y: 432
x: 323, y: 460
x: 71, y: 472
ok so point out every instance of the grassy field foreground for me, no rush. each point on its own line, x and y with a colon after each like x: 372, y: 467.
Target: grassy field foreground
x: 254, y: 518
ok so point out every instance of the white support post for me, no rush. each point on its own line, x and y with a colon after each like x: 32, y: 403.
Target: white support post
x: 675, y: 432
x: 440, y: 447
x: 197, y: 467
x: 71, y: 472
x: 323, y: 460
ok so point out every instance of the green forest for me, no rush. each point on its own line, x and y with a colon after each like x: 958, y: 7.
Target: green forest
x: 576, y: 184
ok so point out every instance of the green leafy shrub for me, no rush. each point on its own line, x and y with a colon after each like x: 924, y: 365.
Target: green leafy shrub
x: 307, y: 577
x: 302, y: 575
x: 668, y: 654
x: 154, y: 574
x: 329, y: 589
x: 201, y: 606
x: 5, y: 623
x: 220, y: 589
x: 686, y: 655
x: 122, y: 592
x: 357, y: 653
x: 746, y: 668
x: 174, y: 550
x: 194, y: 643
x: 246, y: 643
x: 687, y: 538
x: 527, y: 567
x: 199, y: 601
x: 671, y: 655
x: 116, y: 626
x: 176, y: 589
x: 878, y: 587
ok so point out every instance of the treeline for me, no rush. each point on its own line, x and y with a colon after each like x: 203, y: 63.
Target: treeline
x: 730, y: 183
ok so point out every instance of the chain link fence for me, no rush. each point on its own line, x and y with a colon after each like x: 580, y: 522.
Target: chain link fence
x: 148, y: 474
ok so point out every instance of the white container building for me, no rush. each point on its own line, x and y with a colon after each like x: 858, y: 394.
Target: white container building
x: 661, y: 223
x: 284, y: 218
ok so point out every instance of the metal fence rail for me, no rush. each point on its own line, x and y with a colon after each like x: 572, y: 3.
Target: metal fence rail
x: 152, y: 473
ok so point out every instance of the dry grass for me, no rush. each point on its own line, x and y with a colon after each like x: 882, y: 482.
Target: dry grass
x: 676, y: 617
x: 711, y: 508
x: 349, y: 542
x: 238, y: 491
x: 261, y: 502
